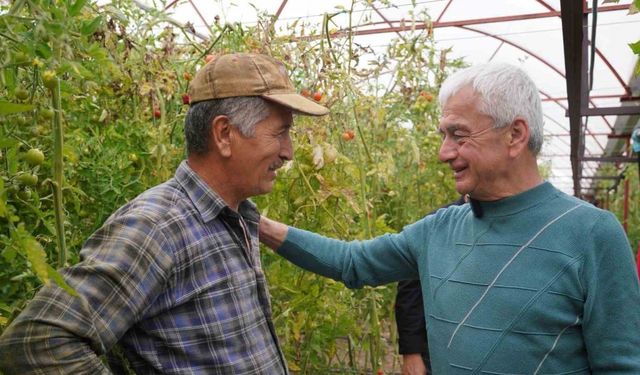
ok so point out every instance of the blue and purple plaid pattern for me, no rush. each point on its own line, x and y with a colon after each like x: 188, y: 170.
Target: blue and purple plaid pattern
x: 169, y: 278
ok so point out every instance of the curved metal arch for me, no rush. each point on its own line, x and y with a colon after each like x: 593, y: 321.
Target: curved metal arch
x: 615, y: 73
x: 555, y: 69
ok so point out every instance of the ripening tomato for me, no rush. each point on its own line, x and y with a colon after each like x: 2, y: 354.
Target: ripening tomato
x: 157, y: 113
x: 306, y: 93
x: 317, y: 96
x: 427, y: 96
x: 209, y: 58
x: 186, y: 76
x: 348, y: 135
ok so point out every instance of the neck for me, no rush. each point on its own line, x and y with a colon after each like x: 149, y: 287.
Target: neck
x: 216, y: 176
x: 517, y: 179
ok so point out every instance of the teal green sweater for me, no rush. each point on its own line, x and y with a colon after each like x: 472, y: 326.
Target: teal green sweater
x: 540, y: 283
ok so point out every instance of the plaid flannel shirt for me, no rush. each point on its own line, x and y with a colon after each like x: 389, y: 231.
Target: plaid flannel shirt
x: 173, y: 277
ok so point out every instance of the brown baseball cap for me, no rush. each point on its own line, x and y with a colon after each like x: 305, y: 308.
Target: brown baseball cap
x: 250, y: 74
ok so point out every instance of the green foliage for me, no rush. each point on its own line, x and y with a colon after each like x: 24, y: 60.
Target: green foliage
x: 616, y: 203
x: 369, y: 168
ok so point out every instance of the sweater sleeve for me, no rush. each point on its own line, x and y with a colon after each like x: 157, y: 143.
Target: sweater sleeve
x: 373, y: 262
x: 124, y: 267
x: 611, y: 325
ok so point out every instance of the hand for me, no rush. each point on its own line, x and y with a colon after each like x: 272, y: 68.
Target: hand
x: 272, y: 233
x: 412, y: 364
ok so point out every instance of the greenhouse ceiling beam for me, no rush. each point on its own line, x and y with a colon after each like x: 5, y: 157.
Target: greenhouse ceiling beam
x: 444, y: 10
x: 599, y: 53
x: 386, y: 20
x: 611, y: 159
x: 574, y: 31
x: 542, y: 60
x: 609, y: 135
x: 612, y: 111
x: 467, y: 22
x: 622, y: 97
x: 280, y: 9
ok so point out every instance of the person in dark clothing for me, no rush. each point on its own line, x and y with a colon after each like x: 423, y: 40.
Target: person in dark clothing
x: 412, y: 330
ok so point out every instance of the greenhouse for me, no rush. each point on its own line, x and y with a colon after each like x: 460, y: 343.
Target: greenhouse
x: 347, y: 187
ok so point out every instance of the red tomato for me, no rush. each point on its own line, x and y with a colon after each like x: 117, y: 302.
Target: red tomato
x: 348, y: 135
x: 317, y: 96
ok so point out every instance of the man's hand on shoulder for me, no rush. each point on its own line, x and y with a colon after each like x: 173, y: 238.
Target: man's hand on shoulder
x: 272, y: 233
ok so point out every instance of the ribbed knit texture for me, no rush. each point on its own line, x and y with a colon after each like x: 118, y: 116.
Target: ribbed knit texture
x: 542, y: 283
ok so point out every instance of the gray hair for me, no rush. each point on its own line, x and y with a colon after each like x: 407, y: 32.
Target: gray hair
x: 244, y: 112
x: 506, y: 92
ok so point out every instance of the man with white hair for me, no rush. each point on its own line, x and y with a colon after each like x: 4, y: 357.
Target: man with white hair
x: 523, y: 279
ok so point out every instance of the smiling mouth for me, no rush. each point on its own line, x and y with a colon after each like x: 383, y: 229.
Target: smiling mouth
x: 457, y: 172
x: 274, y: 168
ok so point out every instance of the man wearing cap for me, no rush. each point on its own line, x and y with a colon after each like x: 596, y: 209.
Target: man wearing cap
x: 173, y: 278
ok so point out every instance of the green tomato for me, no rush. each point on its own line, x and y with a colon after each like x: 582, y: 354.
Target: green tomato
x: 22, y: 93
x: 34, y: 157
x: 22, y: 121
x: 25, y: 194
x: 20, y: 58
x: 27, y: 179
x: 49, y: 79
x: 47, y: 113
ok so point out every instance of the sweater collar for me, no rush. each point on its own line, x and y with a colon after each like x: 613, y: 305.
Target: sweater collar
x: 514, y: 203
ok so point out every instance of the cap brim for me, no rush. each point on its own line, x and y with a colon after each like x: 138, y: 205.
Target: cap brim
x: 298, y: 103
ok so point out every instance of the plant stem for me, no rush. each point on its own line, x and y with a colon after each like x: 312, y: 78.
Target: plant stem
x: 58, y: 169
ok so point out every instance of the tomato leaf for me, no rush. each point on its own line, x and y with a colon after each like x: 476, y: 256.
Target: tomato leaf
x: 76, y: 7
x: 58, y: 279
x: 89, y: 28
x: 10, y: 78
x: 43, y: 50
x: 37, y: 257
x: 635, y: 47
x: 8, y: 108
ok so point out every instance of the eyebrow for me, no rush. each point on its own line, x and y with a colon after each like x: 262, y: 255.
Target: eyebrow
x: 452, y: 128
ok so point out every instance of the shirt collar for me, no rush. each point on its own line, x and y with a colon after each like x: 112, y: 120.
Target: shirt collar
x: 208, y: 203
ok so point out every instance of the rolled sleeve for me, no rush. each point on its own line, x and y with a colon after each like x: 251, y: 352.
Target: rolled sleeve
x: 123, y: 267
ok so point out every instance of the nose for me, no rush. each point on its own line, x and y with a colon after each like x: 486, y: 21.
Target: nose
x: 448, y: 150
x: 286, y: 148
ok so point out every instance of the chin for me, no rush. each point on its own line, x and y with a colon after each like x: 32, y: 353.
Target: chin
x: 462, y: 189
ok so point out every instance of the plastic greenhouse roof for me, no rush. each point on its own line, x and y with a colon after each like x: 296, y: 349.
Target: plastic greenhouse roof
x: 528, y: 33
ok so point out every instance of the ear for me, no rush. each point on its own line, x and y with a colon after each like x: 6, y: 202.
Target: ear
x: 221, y: 134
x: 518, y: 137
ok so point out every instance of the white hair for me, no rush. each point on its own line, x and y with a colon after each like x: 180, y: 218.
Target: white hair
x: 505, y: 92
